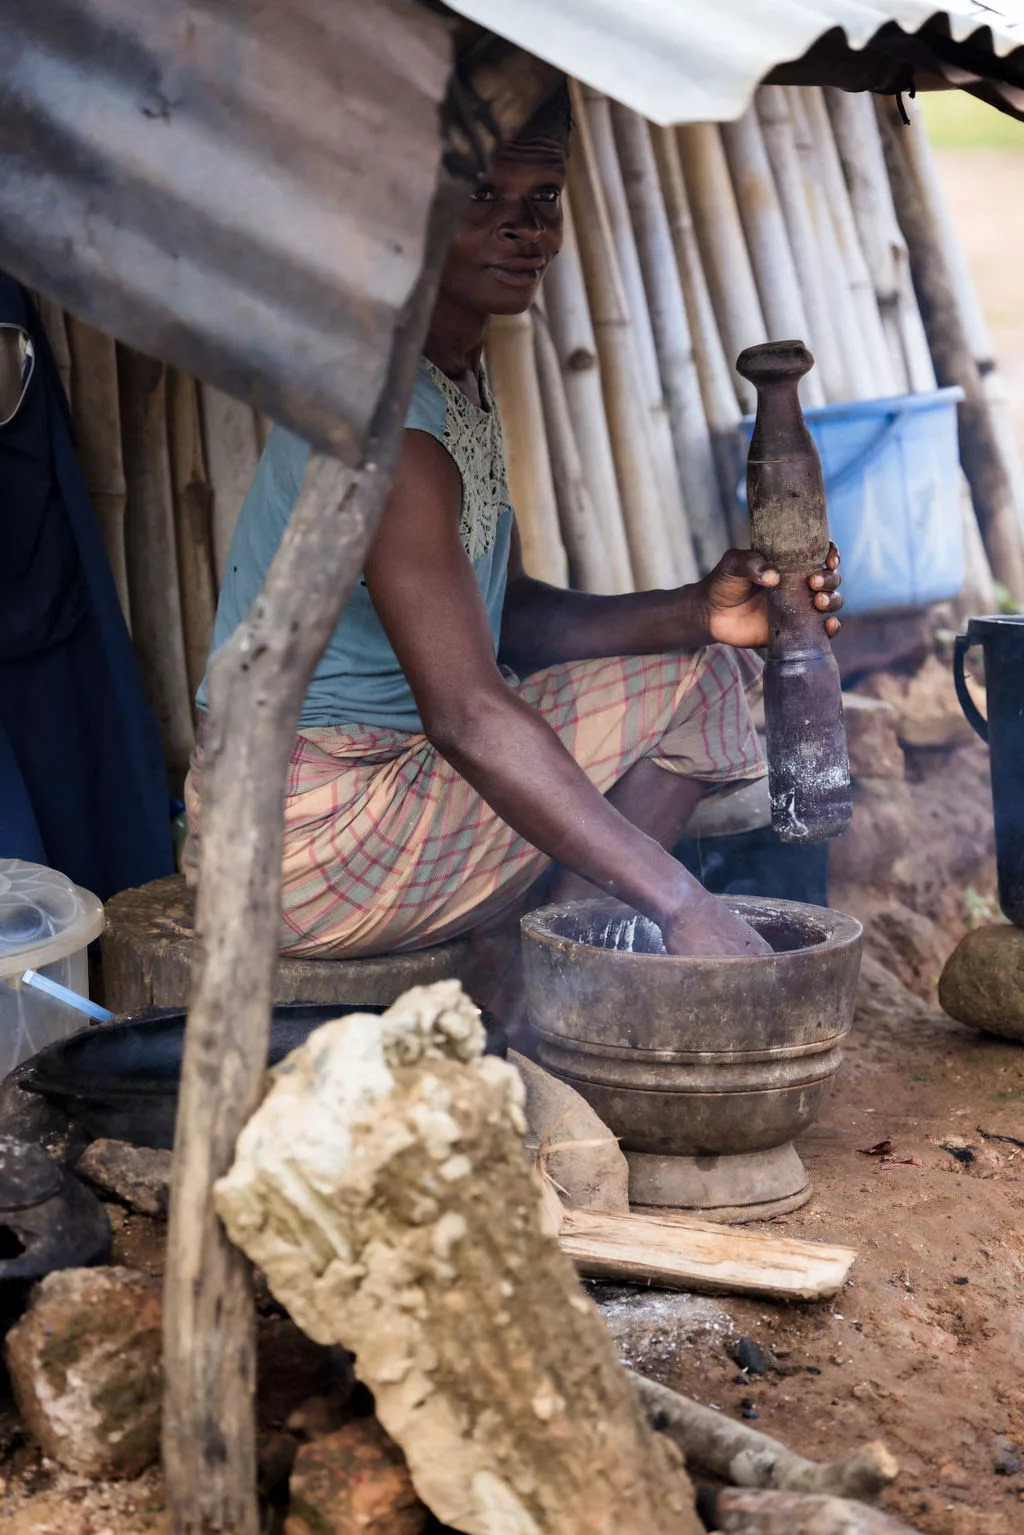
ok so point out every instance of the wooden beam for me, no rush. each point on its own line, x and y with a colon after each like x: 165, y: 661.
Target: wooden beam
x: 256, y: 688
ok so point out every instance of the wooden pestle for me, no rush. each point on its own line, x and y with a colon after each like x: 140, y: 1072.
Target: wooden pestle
x: 808, y: 768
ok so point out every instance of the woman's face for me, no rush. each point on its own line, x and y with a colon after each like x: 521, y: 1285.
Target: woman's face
x: 510, y: 232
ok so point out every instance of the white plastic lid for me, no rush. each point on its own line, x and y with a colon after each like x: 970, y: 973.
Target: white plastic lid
x: 43, y: 916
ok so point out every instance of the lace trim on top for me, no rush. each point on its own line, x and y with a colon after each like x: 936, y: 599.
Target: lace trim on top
x: 473, y: 438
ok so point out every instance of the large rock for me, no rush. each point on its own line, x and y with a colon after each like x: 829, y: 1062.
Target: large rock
x: 872, y: 737
x: 353, y: 1482
x: 84, y: 1363
x: 137, y: 1176
x: 982, y: 983
x: 591, y: 1176
x: 878, y: 835
x: 926, y: 703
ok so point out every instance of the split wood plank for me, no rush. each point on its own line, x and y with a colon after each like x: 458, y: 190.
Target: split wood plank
x: 680, y: 1252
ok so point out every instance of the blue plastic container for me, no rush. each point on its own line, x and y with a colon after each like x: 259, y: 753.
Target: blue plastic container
x: 893, y: 488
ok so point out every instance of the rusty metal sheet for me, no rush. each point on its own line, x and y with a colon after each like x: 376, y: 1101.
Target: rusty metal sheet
x: 240, y: 187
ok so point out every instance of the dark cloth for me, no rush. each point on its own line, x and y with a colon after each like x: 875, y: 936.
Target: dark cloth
x: 83, y: 786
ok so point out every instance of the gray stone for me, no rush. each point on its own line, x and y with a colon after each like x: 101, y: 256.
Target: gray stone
x: 982, y: 983
x: 138, y: 1176
x: 592, y: 1177
x: 84, y: 1363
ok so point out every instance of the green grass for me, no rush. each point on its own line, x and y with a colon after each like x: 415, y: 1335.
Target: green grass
x: 957, y: 120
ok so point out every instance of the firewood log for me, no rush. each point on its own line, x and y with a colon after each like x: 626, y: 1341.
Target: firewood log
x: 793, y: 1513
x: 383, y: 1188
x: 740, y: 1455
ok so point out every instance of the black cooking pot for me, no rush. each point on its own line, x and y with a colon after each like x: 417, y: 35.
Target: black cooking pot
x: 120, y: 1081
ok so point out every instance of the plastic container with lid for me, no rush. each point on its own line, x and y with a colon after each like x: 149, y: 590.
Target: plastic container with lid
x: 46, y: 924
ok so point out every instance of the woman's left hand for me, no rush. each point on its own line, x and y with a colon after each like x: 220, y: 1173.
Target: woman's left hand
x: 733, y: 597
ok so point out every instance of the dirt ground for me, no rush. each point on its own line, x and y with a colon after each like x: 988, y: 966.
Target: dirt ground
x: 925, y: 1349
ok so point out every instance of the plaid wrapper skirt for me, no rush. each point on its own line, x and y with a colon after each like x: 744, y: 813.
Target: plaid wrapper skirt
x: 387, y: 847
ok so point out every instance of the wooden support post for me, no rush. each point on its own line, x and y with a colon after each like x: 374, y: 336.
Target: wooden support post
x: 256, y: 690
x: 983, y: 463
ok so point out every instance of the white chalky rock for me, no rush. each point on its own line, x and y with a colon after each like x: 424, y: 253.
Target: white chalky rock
x: 383, y: 1188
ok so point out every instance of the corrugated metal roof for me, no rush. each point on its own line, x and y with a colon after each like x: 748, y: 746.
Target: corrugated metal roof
x: 699, y: 60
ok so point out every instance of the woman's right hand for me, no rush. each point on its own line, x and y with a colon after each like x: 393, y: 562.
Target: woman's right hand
x: 708, y: 928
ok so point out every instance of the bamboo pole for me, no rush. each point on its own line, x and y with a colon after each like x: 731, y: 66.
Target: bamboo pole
x: 151, y: 555
x: 193, y: 531
x: 780, y: 142
x: 918, y: 150
x: 669, y: 322
x: 231, y: 451
x: 652, y: 555
x: 97, y: 417
x: 885, y: 249
x: 589, y: 564
x: 723, y: 250
x: 884, y: 378
x: 513, y: 374
x: 572, y: 332
x: 768, y: 239
x: 717, y: 386
x: 838, y: 293
x: 954, y: 363
x: 665, y: 462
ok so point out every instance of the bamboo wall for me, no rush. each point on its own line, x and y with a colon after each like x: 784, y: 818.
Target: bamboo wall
x: 617, y: 392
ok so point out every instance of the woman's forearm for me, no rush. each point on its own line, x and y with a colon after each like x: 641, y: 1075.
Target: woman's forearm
x: 542, y: 625
x: 517, y: 763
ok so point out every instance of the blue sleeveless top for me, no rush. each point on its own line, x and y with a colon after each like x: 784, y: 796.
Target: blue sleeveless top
x: 359, y: 680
